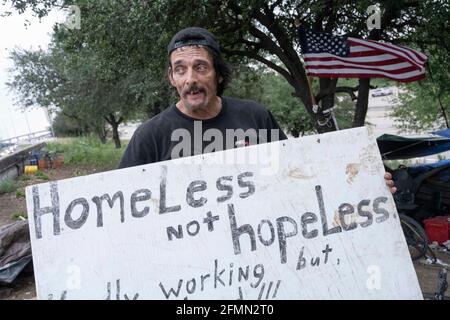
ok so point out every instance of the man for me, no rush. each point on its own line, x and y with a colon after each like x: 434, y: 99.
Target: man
x: 199, y: 74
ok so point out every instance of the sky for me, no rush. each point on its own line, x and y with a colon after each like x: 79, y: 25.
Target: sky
x: 13, y: 33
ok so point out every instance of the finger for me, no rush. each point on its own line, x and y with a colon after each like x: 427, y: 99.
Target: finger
x: 390, y: 183
x: 393, y: 190
x: 387, y: 176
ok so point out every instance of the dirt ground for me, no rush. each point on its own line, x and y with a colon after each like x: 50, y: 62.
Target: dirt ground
x: 12, y: 205
x: 428, y: 274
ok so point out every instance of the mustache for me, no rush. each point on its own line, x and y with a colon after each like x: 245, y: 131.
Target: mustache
x: 193, y: 87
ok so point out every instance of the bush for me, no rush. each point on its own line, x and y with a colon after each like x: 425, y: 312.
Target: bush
x: 8, y: 185
x: 87, y: 151
x: 64, y: 126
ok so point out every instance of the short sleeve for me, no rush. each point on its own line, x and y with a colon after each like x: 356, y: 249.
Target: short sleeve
x: 272, y: 124
x: 138, y: 152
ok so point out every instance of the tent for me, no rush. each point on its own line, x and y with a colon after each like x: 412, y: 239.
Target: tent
x: 15, y: 250
x: 394, y: 147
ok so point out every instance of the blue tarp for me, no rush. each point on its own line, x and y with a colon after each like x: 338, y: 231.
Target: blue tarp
x: 394, y: 147
x: 443, y: 175
x: 443, y: 133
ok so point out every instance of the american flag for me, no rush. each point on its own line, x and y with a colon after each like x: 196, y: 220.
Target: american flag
x: 329, y: 56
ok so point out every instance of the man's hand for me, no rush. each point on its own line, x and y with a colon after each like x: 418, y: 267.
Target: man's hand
x: 390, y: 182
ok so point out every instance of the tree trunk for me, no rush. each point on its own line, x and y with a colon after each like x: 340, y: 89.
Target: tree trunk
x: 111, y: 119
x: 322, y: 122
x: 327, y: 102
x: 361, y: 103
x: 116, y: 138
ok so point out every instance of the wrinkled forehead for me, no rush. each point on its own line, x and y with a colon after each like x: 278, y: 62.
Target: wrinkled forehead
x: 185, y: 53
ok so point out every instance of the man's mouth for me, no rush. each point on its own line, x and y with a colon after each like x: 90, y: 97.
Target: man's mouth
x: 194, y: 92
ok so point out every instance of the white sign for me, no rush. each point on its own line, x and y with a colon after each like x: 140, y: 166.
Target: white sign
x: 321, y: 226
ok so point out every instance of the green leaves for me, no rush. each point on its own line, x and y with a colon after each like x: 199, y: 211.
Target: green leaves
x: 115, y: 64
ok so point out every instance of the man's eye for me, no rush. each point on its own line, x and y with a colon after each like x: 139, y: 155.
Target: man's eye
x: 202, y: 67
x: 179, y: 70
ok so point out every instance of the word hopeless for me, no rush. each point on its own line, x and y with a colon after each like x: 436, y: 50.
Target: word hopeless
x: 310, y: 224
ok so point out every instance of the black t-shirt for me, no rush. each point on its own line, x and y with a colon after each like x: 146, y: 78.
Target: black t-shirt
x: 172, y: 134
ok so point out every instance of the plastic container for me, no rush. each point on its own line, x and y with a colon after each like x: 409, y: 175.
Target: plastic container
x: 43, y: 164
x: 438, y: 229
x: 59, y: 161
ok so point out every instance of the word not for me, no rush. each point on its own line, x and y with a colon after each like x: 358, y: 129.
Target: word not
x: 287, y: 227
x: 81, y: 206
x: 193, y: 227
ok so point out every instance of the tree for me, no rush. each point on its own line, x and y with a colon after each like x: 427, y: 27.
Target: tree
x: 44, y: 78
x: 39, y: 7
x: 422, y: 108
x: 113, y: 68
x: 264, y: 31
x: 259, y: 30
x: 260, y: 83
x: 425, y: 105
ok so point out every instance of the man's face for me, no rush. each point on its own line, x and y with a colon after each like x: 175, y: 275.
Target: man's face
x: 193, y: 74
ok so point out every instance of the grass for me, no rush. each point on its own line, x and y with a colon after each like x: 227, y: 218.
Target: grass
x: 20, y: 215
x: 40, y: 175
x: 24, y: 177
x: 87, y: 151
x: 8, y: 185
x: 20, y: 193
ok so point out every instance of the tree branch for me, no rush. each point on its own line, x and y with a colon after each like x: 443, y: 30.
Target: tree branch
x: 275, y: 4
x: 268, y: 20
x: 270, y: 64
x: 270, y: 45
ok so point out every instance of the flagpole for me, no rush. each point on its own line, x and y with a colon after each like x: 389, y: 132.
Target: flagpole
x: 311, y: 93
x: 315, y: 106
x: 354, y: 58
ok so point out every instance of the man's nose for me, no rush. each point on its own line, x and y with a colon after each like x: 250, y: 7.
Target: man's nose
x: 191, y: 76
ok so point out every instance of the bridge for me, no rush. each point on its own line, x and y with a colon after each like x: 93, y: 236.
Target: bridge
x: 29, y: 137
x: 26, y: 138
